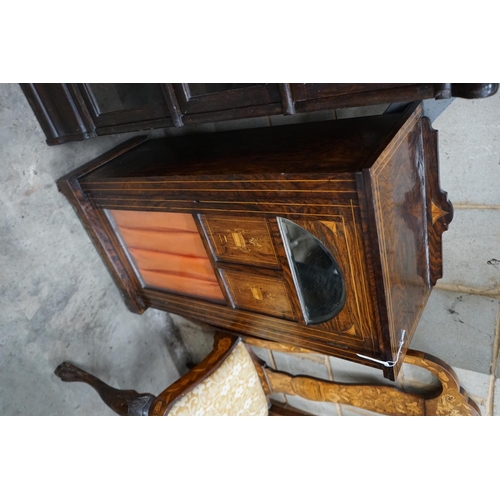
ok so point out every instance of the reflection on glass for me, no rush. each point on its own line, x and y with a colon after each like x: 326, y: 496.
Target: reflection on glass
x: 111, y: 97
x: 197, y: 89
x: 317, y: 276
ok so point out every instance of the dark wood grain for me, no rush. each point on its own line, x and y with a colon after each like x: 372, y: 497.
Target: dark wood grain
x: 246, y: 241
x: 398, y: 187
x: 331, y: 147
x: 66, y: 112
x: 57, y: 112
x: 285, y: 410
x: 368, y: 97
x: 251, y: 291
x: 473, y: 90
x: 362, y: 187
x: 123, y: 128
x: 234, y: 114
x: 126, y: 115
x: 439, y: 208
x: 311, y: 91
x: 233, y: 99
x: 333, y: 343
x: 100, y: 231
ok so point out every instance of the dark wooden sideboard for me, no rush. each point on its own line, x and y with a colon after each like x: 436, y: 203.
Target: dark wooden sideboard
x: 78, y: 111
x: 325, y: 236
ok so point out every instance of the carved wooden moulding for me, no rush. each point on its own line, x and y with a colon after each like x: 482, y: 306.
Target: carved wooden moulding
x: 325, y: 236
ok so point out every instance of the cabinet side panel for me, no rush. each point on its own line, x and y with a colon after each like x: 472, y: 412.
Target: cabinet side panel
x: 398, y: 188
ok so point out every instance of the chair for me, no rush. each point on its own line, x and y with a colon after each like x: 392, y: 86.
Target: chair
x: 232, y: 380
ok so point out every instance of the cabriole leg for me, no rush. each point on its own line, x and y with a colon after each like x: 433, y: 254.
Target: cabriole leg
x: 126, y: 403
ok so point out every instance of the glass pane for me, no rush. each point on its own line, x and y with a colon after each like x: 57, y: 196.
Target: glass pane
x: 167, y: 252
x: 316, y: 274
x: 198, y: 89
x: 111, y: 97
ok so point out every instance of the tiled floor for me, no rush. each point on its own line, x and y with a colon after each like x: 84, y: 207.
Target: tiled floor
x: 58, y: 302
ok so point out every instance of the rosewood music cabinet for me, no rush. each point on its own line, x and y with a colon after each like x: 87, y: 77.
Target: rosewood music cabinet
x: 324, y: 235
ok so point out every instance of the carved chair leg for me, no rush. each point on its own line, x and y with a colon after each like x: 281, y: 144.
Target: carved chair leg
x: 126, y: 403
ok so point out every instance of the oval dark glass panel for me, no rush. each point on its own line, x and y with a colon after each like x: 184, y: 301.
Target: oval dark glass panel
x: 317, y: 276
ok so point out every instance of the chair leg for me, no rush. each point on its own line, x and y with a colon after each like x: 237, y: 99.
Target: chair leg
x: 126, y: 403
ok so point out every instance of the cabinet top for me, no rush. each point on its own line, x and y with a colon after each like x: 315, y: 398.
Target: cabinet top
x: 323, y: 147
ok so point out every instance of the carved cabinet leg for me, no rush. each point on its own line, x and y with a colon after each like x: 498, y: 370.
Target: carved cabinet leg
x: 126, y: 403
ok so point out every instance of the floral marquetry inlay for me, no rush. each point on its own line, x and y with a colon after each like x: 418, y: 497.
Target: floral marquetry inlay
x: 250, y: 242
x: 437, y: 212
x: 240, y: 242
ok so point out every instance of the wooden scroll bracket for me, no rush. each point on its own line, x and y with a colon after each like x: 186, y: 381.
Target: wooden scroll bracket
x: 439, y: 208
x: 451, y: 400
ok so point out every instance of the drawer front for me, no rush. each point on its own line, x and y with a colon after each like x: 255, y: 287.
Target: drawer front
x: 260, y: 294
x: 245, y: 241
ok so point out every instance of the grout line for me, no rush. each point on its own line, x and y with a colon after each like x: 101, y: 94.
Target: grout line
x: 329, y: 368
x: 493, y: 367
x: 490, y: 404
x: 475, y: 206
x: 485, y: 292
x: 272, y: 362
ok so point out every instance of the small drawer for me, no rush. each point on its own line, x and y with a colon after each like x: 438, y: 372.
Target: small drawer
x: 245, y: 241
x: 258, y: 293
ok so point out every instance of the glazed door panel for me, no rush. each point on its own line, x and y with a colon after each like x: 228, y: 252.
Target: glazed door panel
x: 112, y: 104
x: 210, y: 97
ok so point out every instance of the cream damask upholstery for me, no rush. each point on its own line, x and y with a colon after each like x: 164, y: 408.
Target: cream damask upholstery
x: 233, y: 389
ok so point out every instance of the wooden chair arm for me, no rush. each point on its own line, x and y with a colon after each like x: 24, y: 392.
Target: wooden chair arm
x: 387, y: 400
x: 224, y: 344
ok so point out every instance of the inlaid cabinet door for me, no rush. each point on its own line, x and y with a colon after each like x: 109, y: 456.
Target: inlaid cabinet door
x: 210, y: 97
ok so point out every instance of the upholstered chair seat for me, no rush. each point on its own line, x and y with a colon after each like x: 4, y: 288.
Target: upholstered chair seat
x: 233, y: 389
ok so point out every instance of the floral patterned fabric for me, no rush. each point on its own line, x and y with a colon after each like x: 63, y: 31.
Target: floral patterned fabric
x: 233, y: 389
